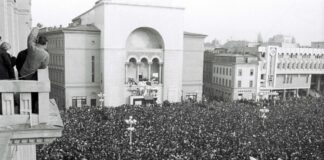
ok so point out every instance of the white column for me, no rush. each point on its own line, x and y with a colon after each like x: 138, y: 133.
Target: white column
x: 8, y: 104
x: 126, y: 69
x: 318, y: 83
x: 137, y: 71
x: 149, y: 71
x: 160, y: 73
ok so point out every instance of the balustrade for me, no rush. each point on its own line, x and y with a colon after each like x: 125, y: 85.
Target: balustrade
x: 18, y: 97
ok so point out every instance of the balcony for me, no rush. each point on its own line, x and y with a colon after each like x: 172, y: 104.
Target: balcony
x: 22, y: 127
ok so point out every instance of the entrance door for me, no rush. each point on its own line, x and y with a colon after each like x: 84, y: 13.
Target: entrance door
x: 93, y: 102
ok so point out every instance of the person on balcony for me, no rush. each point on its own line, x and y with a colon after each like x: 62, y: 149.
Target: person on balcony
x: 7, y: 62
x: 37, y: 56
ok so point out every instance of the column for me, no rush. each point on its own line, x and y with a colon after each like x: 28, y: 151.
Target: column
x: 318, y: 88
x: 160, y: 73
x: 284, y: 94
x: 126, y: 69
x: 149, y: 72
x: 137, y: 71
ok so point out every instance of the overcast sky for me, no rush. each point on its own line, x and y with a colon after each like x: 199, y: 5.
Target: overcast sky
x: 220, y: 19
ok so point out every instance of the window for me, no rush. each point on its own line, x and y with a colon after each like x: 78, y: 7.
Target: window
x: 284, y: 66
x: 239, y: 84
x: 262, y: 54
x: 251, y: 83
x: 246, y: 60
x: 223, y: 71
x: 302, y: 66
x: 230, y: 71
x: 223, y: 82
x: 251, y: 72
x: 262, y: 76
x: 293, y: 66
x: 93, y: 69
x: 278, y: 65
x: 230, y: 83
x: 288, y: 66
x: 217, y: 70
x: 79, y: 101
x: 226, y: 71
x: 240, y: 72
x: 226, y: 82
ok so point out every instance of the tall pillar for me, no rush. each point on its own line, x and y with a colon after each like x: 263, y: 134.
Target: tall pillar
x: 137, y: 71
x: 160, y: 73
x: 149, y: 72
x: 284, y: 94
x: 318, y: 88
x: 126, y: 69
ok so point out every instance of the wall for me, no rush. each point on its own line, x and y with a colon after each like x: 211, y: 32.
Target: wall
x: 116, y: 21
x: 193, y: 59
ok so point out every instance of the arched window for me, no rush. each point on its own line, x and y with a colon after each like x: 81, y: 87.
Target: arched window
x: 288, y: 66
x: 131, y: 70
x: 143, y: 70
x: 155, y: 71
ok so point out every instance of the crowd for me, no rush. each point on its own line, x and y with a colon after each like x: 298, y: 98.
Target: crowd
x: 292, y: 130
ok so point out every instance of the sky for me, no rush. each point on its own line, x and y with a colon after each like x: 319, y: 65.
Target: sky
x: 219, y: 19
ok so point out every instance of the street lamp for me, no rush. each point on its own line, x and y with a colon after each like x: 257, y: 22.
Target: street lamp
x: 101, y: 99
x: 263, y: 112
x: 131, y: 129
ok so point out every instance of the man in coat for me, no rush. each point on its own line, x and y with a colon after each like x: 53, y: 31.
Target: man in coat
x: 6, y: 62
x: 37, y: 57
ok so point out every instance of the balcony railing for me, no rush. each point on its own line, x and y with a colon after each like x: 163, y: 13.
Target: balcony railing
x: 18, y: 97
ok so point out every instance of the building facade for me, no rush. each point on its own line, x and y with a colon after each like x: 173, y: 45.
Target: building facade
x: 317, y: 45
x: 74, y: 67
x: 15, y: 26
x: 230, y: 76
x: 272, y: 72
x: 134, y: 57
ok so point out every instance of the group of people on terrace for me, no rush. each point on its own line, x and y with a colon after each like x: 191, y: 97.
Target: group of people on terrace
x: 28, y: 61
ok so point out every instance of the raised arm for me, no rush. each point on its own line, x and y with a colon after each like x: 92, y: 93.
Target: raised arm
x: 32, y: 38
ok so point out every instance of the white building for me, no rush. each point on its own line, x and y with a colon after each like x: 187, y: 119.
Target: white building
x: 274, y: 71
x: 131, y: 50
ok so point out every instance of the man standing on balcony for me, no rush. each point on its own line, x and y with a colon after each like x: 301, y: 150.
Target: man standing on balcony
x: 37, y: 56
x: 6, y: 62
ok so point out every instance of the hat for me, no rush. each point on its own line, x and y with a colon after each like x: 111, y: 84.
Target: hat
x: 5, y: 46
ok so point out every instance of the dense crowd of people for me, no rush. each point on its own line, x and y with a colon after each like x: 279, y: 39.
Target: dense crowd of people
x: 291, y: 130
